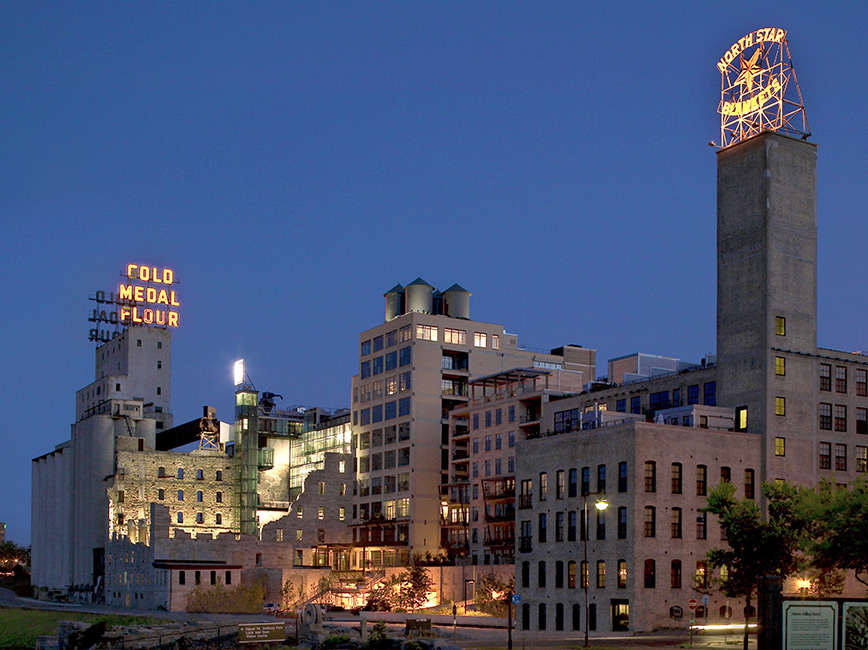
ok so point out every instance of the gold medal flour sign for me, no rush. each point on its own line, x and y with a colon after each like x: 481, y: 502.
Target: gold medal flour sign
x: 755, y: 90
x: 146, y: 297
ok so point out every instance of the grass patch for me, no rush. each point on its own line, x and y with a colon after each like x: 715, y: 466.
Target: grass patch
x: 20, y: 627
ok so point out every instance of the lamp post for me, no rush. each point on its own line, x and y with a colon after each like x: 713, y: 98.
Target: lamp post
x: 601, y: 505
x: 466, y: 582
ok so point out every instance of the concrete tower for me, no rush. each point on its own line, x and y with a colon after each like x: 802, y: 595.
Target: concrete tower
x: 767, y: 279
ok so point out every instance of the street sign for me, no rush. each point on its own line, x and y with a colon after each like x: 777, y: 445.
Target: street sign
x: 705, y: 599
x: 692, y: 604
x: 516, y: 599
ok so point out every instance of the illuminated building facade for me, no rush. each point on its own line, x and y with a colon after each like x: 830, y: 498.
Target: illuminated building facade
x: 413, y: 370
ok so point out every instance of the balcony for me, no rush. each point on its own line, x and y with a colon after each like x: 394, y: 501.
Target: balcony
x: 460, y: 454
x: 525, y: 501
x: 500, y: 541
x: 524, y: 544
x: 506, y: 515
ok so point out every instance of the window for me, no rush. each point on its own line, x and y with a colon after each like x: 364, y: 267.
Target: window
x: 218, y: 519
x: 495, y: 342
x: 840, y: 457
x: 542, y: 616
x: 636, y: 404
x: 650, y: 521
x: 780, y: 406
x: 180, y: 495
x: 200, y: 518
x: 392, y: 361
x: 601, y: 479
x: 572, y: 486
x: 512, y: 414
x: 180, y: 517
x: 199, y: 496
x: 488, y: 437
x: 825, y: 455
x: 840, y: 417
x: 426, y: 332
x: 480, y: 339
x: 377, y: 369
x: 541, y: 574
x: 861, y: 382
x: 498, y: 438
x: 825, y: 376
x: 559, y: 574
x: 456, y: 337
x: 559, y: 527
x: 741, y: 418
x: 780, y: 366
x: 780, y: 326
x: 701, y: 574
x: 861, y: 420
x: 476, y: 420
x: 601, y: 524
x: 559, y: 484
x: 542, y: 528
x: 182, y: 578
x: 511, y: 436
x: 543, y: 485
x: 120, y: 496
x: 676, y: 523
x: 601, y: 574
x: 404, y: 381
x: 650, y: 574
x: 710, y: 393
x: 675, y: 574
x: 749, y: 484
x: 676, y: 478
x: 693, y: 394
x: 621, y: 406
x: 571, y: 526
x: 622, y: 574
x: 825, y: 416
x: 622, y: 477
x: 510, y: 464
x: 658, y: 400
x: 650, y: 476
x: 180, y: 472
x: 861, y: 459
x: 571, y: 574
x: 586, y: 480
x: 161, y: 494
x: 299, y: 513
x: 840, y: 379
x: 219, y: 475
x: 583, y: 567
x: 780, y: 446
x: 404, y: 356
x: 622, y: 523
x: 701, y: 480
x: 366, y: 347
x: 701, y: 525
x: 725, y: 473
x: 525, y: 574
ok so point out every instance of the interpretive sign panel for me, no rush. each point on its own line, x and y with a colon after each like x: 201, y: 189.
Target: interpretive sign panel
x: 261, y: 632
x: 810, y: 625
x: 855, y: 626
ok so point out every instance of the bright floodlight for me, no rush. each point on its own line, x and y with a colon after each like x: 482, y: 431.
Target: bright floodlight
x: 239, y: 372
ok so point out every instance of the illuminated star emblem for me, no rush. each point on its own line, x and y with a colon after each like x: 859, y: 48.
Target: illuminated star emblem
x: 749, y: 70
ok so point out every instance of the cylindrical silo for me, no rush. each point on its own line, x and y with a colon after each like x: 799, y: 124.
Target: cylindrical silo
x: 457, y: 302
x: 394, y: 297
x: 419, y: 296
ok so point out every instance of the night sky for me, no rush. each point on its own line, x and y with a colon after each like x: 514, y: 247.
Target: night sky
x: 292, y: 161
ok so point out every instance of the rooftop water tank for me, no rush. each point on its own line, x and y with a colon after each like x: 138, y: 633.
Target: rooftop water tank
x: 394, y: 302
x: 457, y: 302
x: 419, y: 297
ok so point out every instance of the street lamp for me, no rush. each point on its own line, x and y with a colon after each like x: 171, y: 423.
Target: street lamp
x: 600, y: 504
x: 466, y: 582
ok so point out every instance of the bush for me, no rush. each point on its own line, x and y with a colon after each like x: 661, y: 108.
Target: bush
x: 243, y: 599
x: 335, y: 641
x: 377, y: 639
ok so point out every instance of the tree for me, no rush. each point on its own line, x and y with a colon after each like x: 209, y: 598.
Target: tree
x: 839, y: 531
x: 490, y: 594
x: 413, y: 586
x: 758, y: 545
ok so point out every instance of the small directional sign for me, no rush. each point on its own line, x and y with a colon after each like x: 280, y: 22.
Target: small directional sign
x: 516, y: 599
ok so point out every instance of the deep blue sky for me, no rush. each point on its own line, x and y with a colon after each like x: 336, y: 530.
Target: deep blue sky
x: 293, y: 161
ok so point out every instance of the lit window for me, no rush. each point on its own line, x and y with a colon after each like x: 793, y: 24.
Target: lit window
x: 495, y: 342
x: 780, y: 446
x: 342, y: 513
x: 650, y: 521
x: 780, y: 406
x: 480, y: 339
x: 780, y: 326
x: 298, y: 534
x: 280, y: 534
x: 780, y: 366
x: 861, y: 459
x: 426, y: 332
x: 299, y: 512
x: 456, y: 337
x: 741, y: 418
x: 320, y: 514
